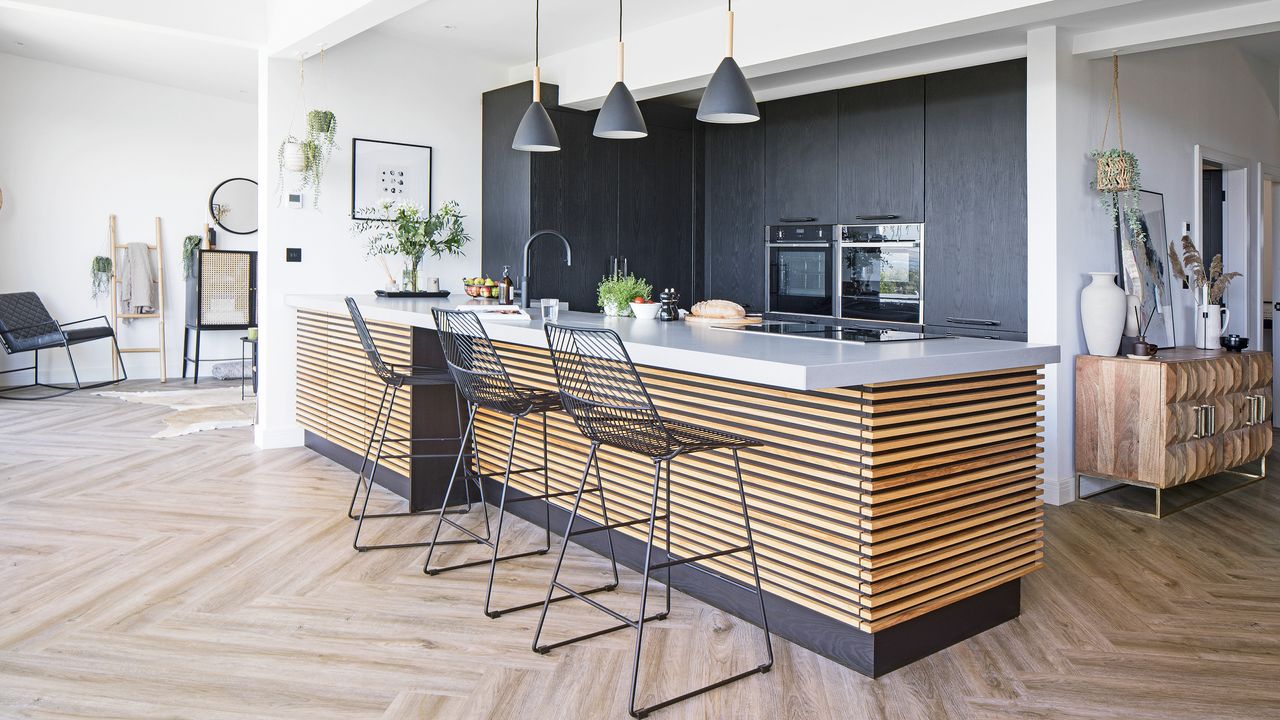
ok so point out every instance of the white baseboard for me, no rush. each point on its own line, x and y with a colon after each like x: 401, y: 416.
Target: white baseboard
x: 1058, y: 492
x: 270, y: 438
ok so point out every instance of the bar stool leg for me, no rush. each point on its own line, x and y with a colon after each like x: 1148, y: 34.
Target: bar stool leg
x: 644, y: 587
x: 502, y: 512
x: 604, y: 512
x: 564, y: 545
x: 755, y: 568
x: 364, y: 461
x: 382, y: 437
x: 453, y: 477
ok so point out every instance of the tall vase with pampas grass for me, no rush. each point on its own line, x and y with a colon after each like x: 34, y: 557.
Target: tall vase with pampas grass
x: 1209, y: 283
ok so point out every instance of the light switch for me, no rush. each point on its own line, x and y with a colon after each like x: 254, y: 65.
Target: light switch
x: 293, y: 254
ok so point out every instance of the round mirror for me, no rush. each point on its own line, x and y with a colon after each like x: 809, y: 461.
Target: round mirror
x: 233, y: 205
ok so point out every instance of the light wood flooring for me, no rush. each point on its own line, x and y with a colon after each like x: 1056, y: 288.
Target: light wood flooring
x: 197, y: 577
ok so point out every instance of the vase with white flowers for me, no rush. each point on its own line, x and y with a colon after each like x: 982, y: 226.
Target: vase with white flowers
x: 404, y: 229
x: 1209, y: 283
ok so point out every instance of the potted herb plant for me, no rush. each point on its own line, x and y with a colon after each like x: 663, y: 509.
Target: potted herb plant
x: 404, y: 229
x: 615, y: 293
x: 100, y: 276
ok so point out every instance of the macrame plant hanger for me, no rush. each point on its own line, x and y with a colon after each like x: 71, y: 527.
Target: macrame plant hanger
x: 1115, y: 170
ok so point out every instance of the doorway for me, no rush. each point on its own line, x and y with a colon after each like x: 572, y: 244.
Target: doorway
x: 1268, y: 241
x: 1224, y: 226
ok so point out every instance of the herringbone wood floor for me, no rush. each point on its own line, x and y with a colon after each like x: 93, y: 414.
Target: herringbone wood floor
x: 197, y: 577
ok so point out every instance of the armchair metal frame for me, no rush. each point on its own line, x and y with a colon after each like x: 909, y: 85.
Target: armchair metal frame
x: 66, y: 343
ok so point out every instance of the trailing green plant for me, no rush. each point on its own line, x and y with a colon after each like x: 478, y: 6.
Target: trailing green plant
x: 317, y: 147
x: 100, y: 276
x: 189, y: 245
x: 1123, y: 202
x: 615, y: 293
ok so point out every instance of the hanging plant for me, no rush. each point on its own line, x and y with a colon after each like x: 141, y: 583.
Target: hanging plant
x: 100, y: 275
x: 189, y: 245
x: 308, y: 156
x: 1118, y: 178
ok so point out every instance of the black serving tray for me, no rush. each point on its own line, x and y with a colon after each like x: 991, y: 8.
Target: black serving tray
x: 422, y: 294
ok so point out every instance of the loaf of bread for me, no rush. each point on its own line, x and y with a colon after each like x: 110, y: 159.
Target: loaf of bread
x: 719, y: 309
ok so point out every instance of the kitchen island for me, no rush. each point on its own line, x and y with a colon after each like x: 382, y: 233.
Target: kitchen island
x: 895, y: 504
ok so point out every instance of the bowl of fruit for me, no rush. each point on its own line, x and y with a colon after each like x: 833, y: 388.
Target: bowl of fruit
x: 480, y: 287
x: 644, y: 308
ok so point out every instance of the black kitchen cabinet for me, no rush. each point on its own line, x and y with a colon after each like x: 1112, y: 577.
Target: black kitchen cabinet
x: 801, y: 152
x: 975, y: 247
x: 609, y: 198
x: 733, y: 215
x: 881, y: 159
x: 655, y: 204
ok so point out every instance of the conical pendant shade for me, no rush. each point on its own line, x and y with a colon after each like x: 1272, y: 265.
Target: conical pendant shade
x: 536, y: 133
x: 728, y: 97
x: 620, y: 117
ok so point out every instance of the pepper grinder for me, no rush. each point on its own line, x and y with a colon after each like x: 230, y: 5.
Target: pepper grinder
x: 670, y: 309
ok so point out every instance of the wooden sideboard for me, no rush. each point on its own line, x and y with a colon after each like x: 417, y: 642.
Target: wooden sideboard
x: 1183, y: 416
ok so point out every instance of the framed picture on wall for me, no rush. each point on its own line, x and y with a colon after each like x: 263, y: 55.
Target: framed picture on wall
x: 383, y: 170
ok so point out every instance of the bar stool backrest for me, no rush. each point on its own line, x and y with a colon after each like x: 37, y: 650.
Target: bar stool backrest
x: 602, y: 390
x: 366, y: 341
x: 474, y: 363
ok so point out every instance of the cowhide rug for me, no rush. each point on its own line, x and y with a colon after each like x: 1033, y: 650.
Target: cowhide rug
x: 194, y: 410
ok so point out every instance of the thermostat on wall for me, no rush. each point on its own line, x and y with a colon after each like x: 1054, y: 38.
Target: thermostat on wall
x: 295, y: 200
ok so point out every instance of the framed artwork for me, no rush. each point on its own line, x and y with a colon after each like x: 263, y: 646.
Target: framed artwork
x: 1144, y: 263
x: 384, y: 170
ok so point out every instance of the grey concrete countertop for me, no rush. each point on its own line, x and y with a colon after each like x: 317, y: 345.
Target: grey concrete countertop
x: 779, y: 361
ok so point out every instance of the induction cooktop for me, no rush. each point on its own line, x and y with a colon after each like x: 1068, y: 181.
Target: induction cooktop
x: 816, y: 331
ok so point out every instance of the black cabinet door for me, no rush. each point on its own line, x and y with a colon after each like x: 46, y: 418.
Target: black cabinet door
x: 975, y: 241
x: 881, y: 174
x: 734, y: 215
x: 655, y: 207
x: 800, y: 159
x: 574, y: 191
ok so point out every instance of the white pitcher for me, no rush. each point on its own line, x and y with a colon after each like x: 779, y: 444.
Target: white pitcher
x: 1211, y: 322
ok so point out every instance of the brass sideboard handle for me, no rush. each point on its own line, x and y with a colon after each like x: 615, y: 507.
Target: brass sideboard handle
x: 1213, y: 419
x: 1199, y: 413
x: 1253, y: 410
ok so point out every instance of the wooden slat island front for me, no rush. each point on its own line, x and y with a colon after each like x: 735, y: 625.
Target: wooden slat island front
x: 891, y: 519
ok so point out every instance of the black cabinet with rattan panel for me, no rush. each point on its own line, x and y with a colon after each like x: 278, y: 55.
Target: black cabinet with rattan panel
x: 222, y: 294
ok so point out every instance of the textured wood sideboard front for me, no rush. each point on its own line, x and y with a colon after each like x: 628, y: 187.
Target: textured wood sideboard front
x: 1183, y: 416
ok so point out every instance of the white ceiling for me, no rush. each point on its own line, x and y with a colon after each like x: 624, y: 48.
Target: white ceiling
x: 506, y: 36
x: 200, y: 46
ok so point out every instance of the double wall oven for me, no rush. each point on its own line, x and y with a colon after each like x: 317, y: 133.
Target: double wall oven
x: 865, y: 273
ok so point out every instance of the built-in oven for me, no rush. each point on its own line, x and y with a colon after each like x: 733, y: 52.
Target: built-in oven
x: 881, y: 278
x: 800, y: 269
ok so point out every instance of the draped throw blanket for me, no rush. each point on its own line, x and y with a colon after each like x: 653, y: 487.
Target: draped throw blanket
x: 138, y: 283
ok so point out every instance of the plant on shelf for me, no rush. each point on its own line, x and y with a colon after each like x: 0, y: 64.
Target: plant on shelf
x: 615, y: 293
x: 189, y: 246
x: 100, y: 275
x: 404, y: 229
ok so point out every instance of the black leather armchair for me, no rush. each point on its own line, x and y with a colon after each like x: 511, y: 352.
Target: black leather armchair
x: 26, y: 326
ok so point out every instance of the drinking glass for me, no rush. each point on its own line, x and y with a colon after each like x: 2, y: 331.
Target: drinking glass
x: 550, y: 310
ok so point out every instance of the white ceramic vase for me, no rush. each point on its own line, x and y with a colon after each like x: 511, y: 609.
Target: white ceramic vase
x: 1102, y: 310
x: 1211, y: 322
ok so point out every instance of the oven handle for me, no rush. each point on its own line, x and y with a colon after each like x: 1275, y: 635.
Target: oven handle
x: 813, y: 244
x: 886, y: 243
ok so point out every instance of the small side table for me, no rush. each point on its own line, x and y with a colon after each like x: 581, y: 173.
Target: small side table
x: 249, y: 353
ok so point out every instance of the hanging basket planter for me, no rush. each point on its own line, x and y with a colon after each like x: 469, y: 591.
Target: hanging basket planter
x: 1116, y: 170
x: 292, y: 156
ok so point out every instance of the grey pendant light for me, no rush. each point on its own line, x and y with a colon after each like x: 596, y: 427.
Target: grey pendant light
x: 620, y: 117
x: 728, y: 97
x: 536, y: 133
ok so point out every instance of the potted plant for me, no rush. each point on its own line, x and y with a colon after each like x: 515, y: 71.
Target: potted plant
x: 309, y: 155
x: 615, y: 293
x: 403, y: 229
x: 1210, y: 284
x: 1116, y: 173
x: 100, y: 276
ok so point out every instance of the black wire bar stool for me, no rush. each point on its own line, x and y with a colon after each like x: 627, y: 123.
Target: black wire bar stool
x: 483, y: 381
x: 394, y: 378
x: 601, y: 389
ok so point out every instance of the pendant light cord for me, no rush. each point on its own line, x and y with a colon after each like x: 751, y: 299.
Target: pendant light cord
x: 619, y: 20
x: 537, y: 31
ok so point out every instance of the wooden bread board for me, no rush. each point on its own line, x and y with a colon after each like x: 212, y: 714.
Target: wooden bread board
x: 748, y: 320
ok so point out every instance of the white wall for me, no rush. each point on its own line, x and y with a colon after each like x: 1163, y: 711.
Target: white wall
x: 77, y: 146
x: 1172, y: 99
x: 379, y: 88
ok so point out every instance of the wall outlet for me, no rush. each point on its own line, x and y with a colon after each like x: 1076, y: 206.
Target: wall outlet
x: 293, y: 254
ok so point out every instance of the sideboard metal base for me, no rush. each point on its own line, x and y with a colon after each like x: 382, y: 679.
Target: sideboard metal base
x: 1163, y: 502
